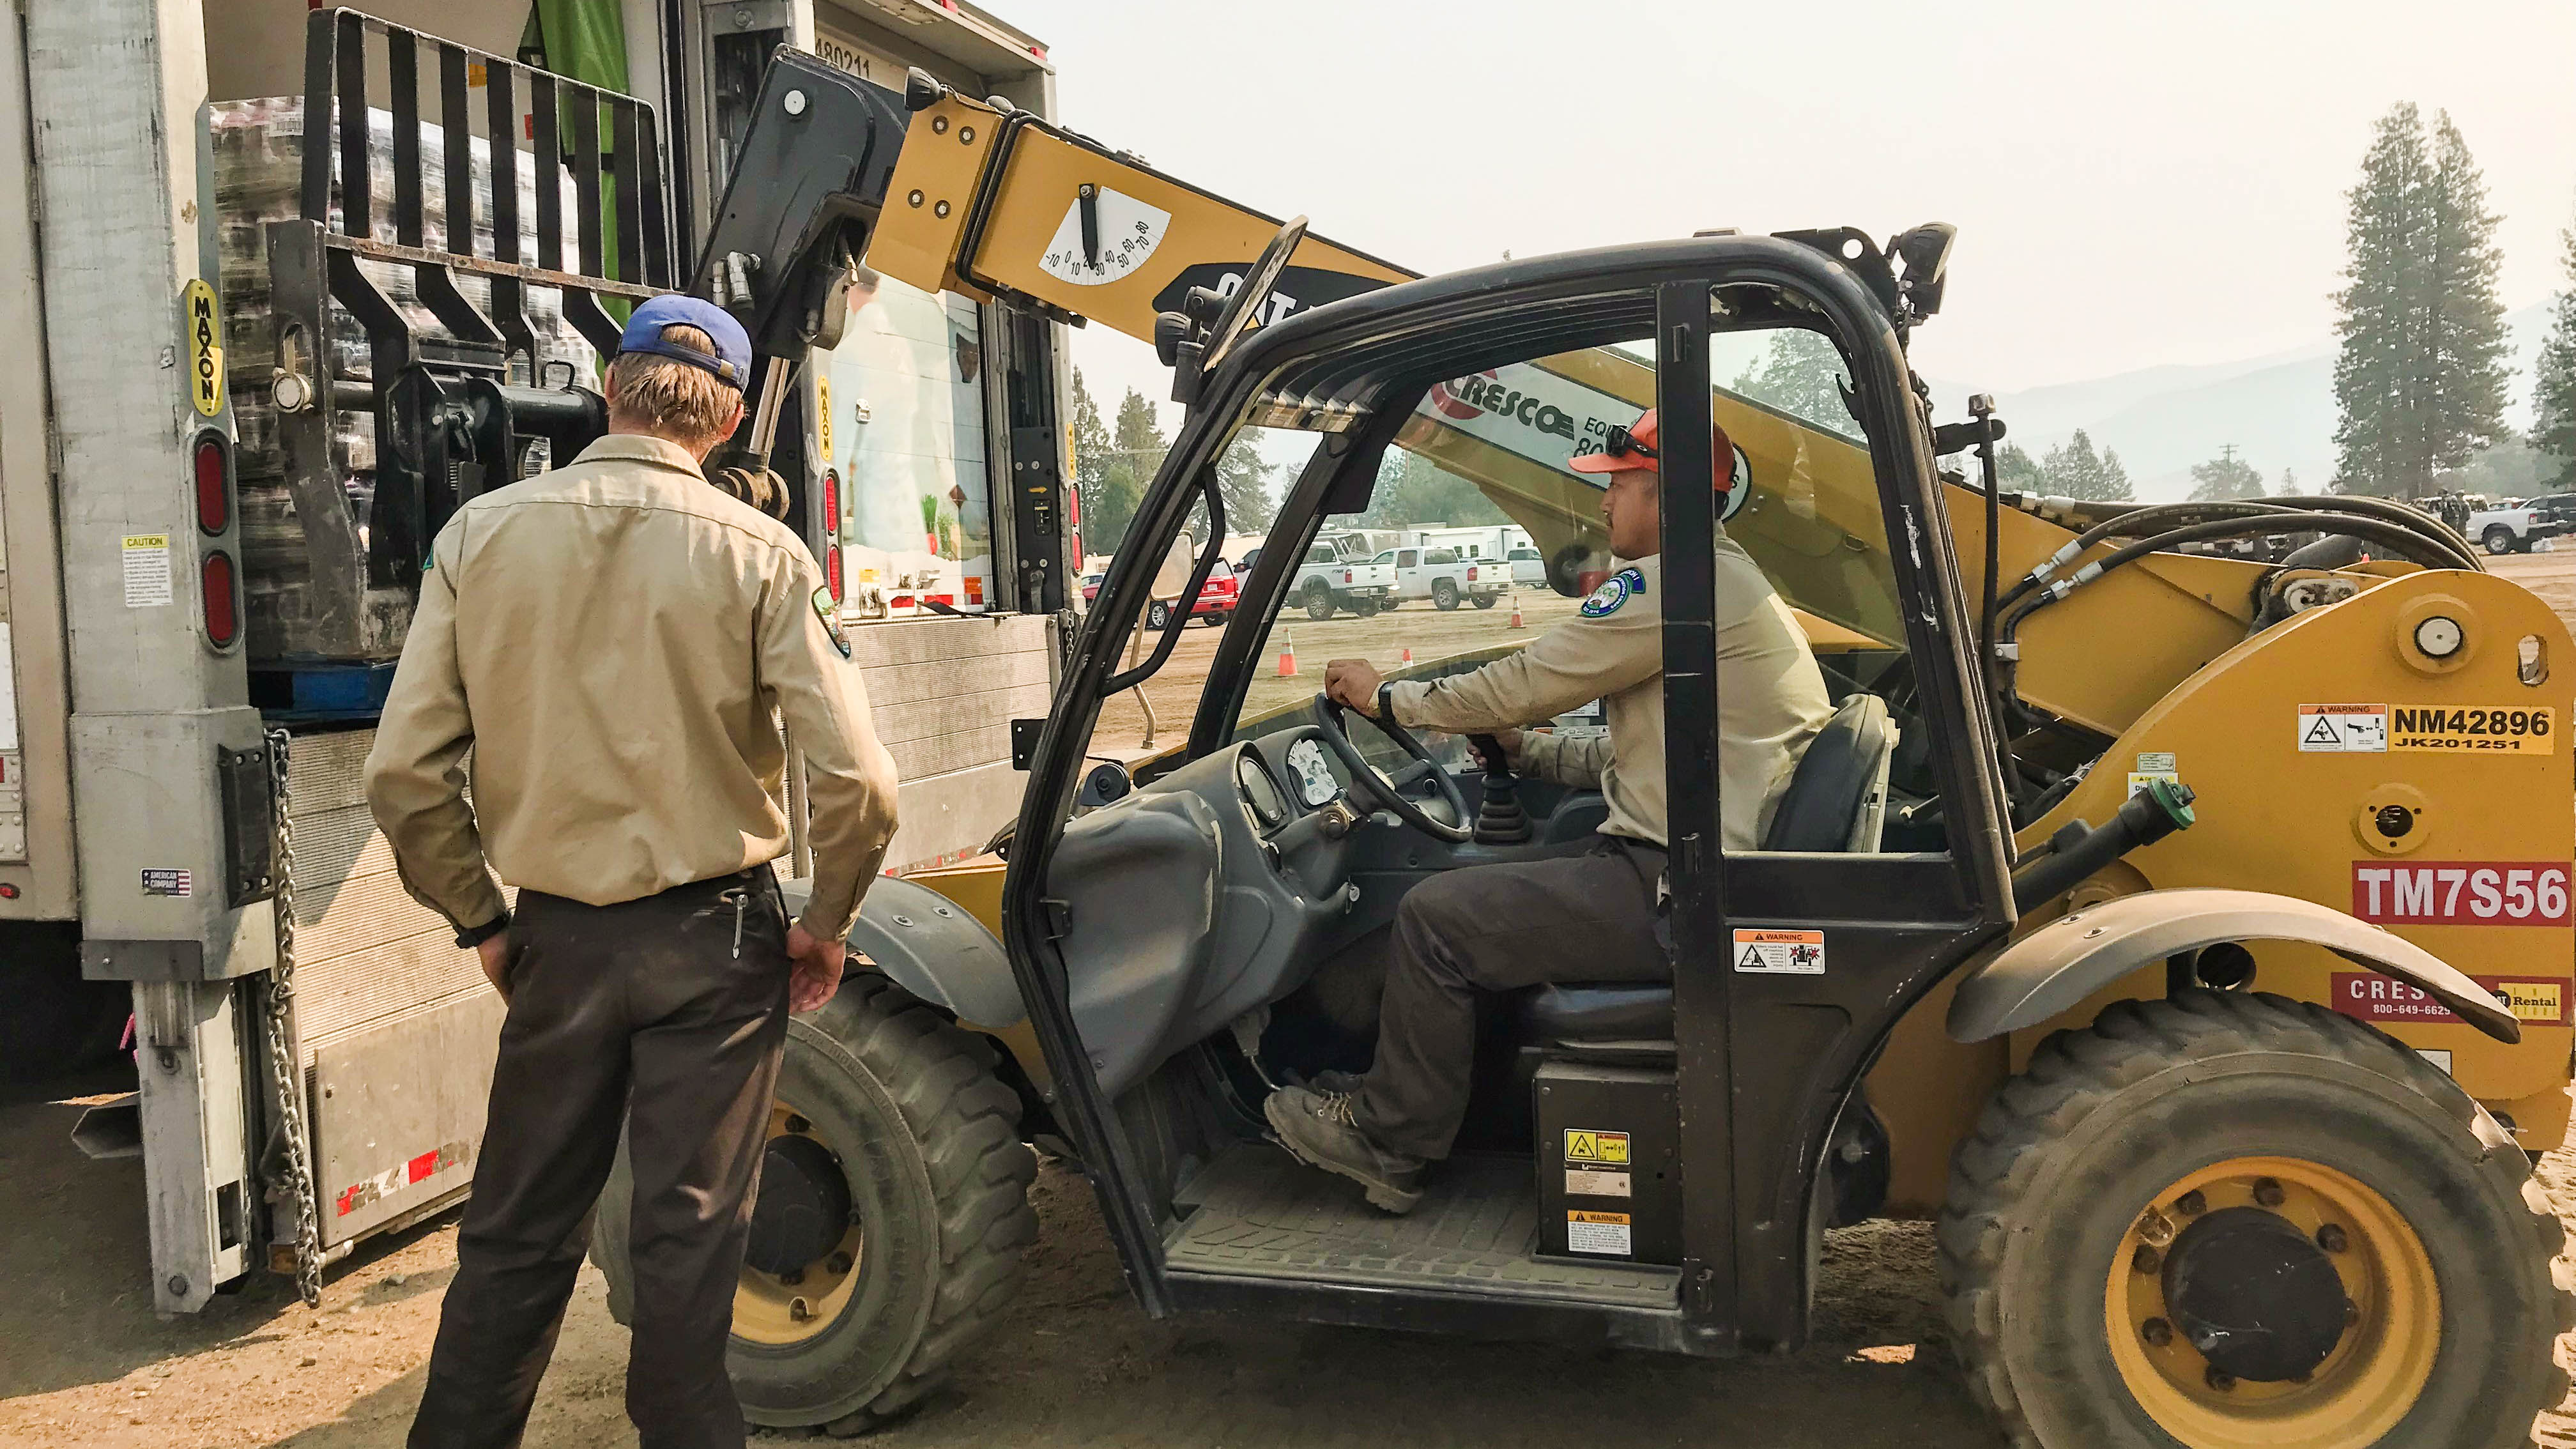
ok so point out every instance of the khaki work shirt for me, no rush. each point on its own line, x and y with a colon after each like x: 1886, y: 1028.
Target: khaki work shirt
x: 610, y: 640
x: 1770, y: 697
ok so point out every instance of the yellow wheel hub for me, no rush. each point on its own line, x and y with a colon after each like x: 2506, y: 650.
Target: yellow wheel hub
x: 785, y: 1308
x: 2363, y: 1384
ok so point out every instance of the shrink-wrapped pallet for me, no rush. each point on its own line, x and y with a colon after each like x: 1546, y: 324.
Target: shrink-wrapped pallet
x: 259, y: 177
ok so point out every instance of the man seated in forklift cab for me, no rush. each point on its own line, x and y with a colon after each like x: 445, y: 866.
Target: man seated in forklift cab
x: 1584, y: 917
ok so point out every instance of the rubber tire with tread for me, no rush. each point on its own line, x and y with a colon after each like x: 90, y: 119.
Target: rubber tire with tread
x: 2498, y: 539
x: 1444, y: 595
x: 2106, y: 1117
x: 1157, y: 614
x: 1368, y: 608
x: 1487, y: 601
x: 930, y: 1137
x: 1319, y: 602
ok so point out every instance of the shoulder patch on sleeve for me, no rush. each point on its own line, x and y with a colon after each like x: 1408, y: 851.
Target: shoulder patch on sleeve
x: 830, y: 613
x: 1614, y: 591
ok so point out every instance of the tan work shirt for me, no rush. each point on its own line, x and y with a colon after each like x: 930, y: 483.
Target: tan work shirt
x: 610, y: 639
x: 1770, y: 698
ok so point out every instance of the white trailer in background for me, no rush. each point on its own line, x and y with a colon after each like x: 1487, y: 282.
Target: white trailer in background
x: 193, y: 565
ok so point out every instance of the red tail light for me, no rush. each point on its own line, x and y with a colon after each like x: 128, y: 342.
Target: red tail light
x: 1346, y: 576
x: 1471, y: 573
x: 831, y: 504
x: 832, y: 570
x: 212, y: 461
x: 223, y: 612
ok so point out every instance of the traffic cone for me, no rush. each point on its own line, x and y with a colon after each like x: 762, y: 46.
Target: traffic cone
x: 1516, y: 612
x: 1408, y: 654
x: 1287, y: 655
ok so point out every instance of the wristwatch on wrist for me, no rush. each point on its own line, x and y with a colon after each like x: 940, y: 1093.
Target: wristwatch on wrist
x: 469, y: 937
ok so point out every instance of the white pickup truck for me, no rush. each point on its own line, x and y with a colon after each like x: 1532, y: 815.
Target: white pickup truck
x: 1330, y: 580
x: 1440, y: 575
x: 2513, y: 528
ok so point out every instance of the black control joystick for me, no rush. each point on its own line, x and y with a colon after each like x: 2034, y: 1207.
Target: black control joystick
x: 1500, y: 819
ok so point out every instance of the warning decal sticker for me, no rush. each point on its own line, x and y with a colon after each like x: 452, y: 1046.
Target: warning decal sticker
x: 2344, y: 729
x: 2533, y: 1000
x: 147, y: 570
x: 1604, y: 1233
x: 402, y: 1175
x: 1780, y: 953
x: 1584, y: 1144
x: 2472, y: 729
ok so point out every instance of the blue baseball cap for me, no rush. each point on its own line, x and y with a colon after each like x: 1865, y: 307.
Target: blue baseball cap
x: 731, y: 361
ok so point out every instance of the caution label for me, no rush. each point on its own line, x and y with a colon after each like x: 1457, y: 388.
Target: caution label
x: 1780, y: 953
x: 1605, y: 1234
x: 2533, y: 1000
x: 2461, y: 893
x: 2343, y: 729
x: 1584, y: 1144
x: 2473, y: 729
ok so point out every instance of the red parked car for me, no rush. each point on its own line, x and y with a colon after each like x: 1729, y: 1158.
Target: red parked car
x: 1215, y: 602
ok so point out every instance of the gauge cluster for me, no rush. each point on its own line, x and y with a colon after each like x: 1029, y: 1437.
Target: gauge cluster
x: 1308, y: 767
x: 1310, y: 783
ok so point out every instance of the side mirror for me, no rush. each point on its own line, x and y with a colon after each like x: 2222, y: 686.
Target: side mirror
x: 1105, y: 781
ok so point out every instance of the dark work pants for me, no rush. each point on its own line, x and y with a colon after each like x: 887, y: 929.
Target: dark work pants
x: 1587, y: 917
x: 639, y: 1012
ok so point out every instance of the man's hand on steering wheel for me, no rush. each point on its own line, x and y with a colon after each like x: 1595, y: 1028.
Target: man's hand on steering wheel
x: 1353, y: 684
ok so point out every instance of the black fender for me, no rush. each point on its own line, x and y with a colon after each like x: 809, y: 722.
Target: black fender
x: 930, y: 946
x: 2061, y: 963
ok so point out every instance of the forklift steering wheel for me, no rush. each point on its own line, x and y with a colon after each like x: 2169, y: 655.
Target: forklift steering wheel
x: 1389, y: 790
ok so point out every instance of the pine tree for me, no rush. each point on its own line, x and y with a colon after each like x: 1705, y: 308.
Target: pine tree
x: 1137, y: 436
x: 2016, y: 471
x: 2375, y: 375
x: 2074, y: 470
x: 2223, y: 477
x: 1091, y: 459
x: 2464, y: 323
x: 2420, y: 380
x: 1801, y: 375
x: 1243, y: 481
x: 2553, y: 386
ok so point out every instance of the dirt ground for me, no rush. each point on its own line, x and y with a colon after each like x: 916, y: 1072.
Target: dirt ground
x: 84, y: 1362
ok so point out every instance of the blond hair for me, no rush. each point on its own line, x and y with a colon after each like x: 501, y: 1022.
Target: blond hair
x: 662, y: 395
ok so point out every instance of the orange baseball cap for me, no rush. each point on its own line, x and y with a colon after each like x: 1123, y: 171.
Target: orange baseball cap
x: 1634, y: 447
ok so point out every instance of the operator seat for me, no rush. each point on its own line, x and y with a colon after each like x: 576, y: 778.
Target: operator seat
x: 1836, y: 801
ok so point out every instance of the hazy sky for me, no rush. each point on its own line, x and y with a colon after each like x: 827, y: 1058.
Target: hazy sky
x: 2134, y: 183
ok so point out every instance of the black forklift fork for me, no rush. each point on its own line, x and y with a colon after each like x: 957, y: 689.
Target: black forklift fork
x: 452, y: 417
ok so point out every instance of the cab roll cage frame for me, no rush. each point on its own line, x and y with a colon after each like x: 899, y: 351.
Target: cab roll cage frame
x: 1749, y: 1184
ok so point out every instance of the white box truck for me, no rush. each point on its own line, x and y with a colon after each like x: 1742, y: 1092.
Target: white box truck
x: 281, y: 291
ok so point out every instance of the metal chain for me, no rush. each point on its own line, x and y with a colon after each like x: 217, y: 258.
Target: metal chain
x: 284, y: 1070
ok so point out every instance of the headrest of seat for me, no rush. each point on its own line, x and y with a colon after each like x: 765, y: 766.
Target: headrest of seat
x: 1834, y: 779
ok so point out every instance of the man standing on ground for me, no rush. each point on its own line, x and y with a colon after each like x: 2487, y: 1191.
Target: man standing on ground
x: 609, y: 640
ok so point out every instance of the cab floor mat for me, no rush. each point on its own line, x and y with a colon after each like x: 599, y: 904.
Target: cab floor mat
x: 1261, y: 1214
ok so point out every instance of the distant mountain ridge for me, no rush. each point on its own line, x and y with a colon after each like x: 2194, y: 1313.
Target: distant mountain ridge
x: 2278, y: 410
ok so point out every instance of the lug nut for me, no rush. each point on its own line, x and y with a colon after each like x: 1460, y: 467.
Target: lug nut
x: 2268, y: 1193
x: 2156, y: 1332
x: 837, y: 1264
x: 2146, y: 1259
x: 2220, y: 1379
x: 2331, y: 1238
x: 798, y: 1125
x: 2191, y: 1204
x: 792, y: 1277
